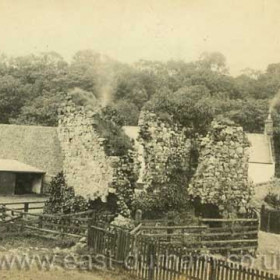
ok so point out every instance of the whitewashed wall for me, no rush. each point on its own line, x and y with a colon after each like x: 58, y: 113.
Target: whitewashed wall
x: 260, y: 172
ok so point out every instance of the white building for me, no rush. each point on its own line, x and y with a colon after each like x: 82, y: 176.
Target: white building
x: 261, y: 155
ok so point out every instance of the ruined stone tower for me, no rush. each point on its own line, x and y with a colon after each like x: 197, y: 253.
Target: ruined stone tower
x: 86, y: 166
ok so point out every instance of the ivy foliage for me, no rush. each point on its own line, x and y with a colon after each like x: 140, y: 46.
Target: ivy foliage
x: 62, y: 198
x: 273, y: 200
x: 157, y: 205
x: 125, y: 182
x: 108, y: 125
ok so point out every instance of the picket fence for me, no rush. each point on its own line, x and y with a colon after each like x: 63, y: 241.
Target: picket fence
x: 149, y: 259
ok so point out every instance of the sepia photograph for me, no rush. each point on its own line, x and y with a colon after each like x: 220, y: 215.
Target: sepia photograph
x: 140, y: 139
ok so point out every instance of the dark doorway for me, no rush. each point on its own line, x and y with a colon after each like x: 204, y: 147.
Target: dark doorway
x: 206, y: 210
x: 25, y: 183
x: 7, y: 183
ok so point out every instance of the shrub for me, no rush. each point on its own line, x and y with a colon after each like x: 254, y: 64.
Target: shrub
x: 171, y: 198
x: 62, y: 198
x: 108, y: 126
x: 273, y: 200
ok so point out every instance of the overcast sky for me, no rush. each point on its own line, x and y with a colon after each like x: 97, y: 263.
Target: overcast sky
x: 247, y: 32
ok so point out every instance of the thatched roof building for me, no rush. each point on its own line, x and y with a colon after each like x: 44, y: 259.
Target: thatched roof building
x: 37, y: 146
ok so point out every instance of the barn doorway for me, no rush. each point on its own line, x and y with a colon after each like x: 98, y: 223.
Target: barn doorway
x: 28, y: 183
x: 17, y: 178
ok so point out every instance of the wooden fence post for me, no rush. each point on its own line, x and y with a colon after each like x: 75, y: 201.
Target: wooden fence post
x: 262, y: 218
x: 40, y: 221
x: 268, y: 222
x: 151, y: 260
x: 170, y: 223
x: 2, y: 213
x: 212, y: 272
x: 90, y: 231
x: 138, y: 217
x: 26, y: 207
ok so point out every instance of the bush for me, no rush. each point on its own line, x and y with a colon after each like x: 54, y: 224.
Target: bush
x: 108, y: 126
x: 172, y: 198
x: 273, y: 200
x: 62, y: 198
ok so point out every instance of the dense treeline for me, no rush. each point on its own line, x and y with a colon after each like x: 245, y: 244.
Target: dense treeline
x: 33, y: 86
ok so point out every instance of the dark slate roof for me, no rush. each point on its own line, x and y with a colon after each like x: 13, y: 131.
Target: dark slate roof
x: 37, y: 146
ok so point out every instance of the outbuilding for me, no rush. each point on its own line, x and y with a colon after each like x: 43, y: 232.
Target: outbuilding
x: 261, y: 154
x: 18, y: 178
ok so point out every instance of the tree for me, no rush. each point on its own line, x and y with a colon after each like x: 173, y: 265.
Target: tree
x: 214, y: 61
x: 82, y: 71
x: 43, y: 110
x: 12, y: 97
x: 127, y: 111
x: 190, y: 106
x: 250, y: 114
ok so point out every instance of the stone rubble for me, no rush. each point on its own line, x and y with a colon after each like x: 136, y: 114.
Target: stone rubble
x: 222, y: 174
x: 86, y: 166
x: 165, y: 146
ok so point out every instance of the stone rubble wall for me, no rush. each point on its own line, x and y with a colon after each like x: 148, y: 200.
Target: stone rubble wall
x: 124, y: 181
x: 165, y: 148
x: 222, y: 174
x: 86, y: 167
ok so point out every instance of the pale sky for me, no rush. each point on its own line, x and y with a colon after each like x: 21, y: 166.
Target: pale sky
x: 247, y: 32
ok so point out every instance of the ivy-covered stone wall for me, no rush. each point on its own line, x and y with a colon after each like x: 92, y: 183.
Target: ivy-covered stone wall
x: 86, y: 166
x: 124, y: 182
x: 166, y: 152
x: 221, y: 178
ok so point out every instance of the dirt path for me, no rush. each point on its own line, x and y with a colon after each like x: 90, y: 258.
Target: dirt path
x: 268, y: 252
x: 25, y: 245
x: 268, y: 259
x: 61, y: 274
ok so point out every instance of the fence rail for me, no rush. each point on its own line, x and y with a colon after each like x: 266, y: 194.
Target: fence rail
x: 72, y: 225
x: 214, y: 235
x: 25, y: 206
x: 149, y: 259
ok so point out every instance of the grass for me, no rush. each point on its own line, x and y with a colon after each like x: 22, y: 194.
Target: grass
x: 21, y: 243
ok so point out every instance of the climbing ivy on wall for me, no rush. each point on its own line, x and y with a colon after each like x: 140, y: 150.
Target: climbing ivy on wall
x: 168, y: 166
x: 125, y: 175
x: 109, y: 126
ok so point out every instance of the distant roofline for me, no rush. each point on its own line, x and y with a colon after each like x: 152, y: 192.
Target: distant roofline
x: 260, y: 162
x: 16, y: 171
x: 15, y: 166
x: 33, y: 126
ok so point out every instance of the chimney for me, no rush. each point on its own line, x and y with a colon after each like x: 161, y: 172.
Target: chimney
x: 268, y: 126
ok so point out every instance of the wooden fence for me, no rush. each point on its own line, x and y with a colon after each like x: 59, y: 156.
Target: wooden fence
x: 213, y: 235
x: 72, y: 225
x: 149, y: 259
x: 25, y: 206
x: 270, y: 220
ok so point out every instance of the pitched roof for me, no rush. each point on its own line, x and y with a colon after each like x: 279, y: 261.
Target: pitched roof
x: 37, y: 146
x: 9, y: 165
x: 260, y: 150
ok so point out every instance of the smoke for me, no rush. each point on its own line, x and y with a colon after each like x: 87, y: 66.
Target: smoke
x: 275, y: 102
x: 105, y: 69
x: 105, y: 93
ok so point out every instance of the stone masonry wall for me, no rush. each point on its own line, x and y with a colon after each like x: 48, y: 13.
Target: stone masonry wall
x: 86, y: 166
x: 165, y: 148
x: 222, y: 174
